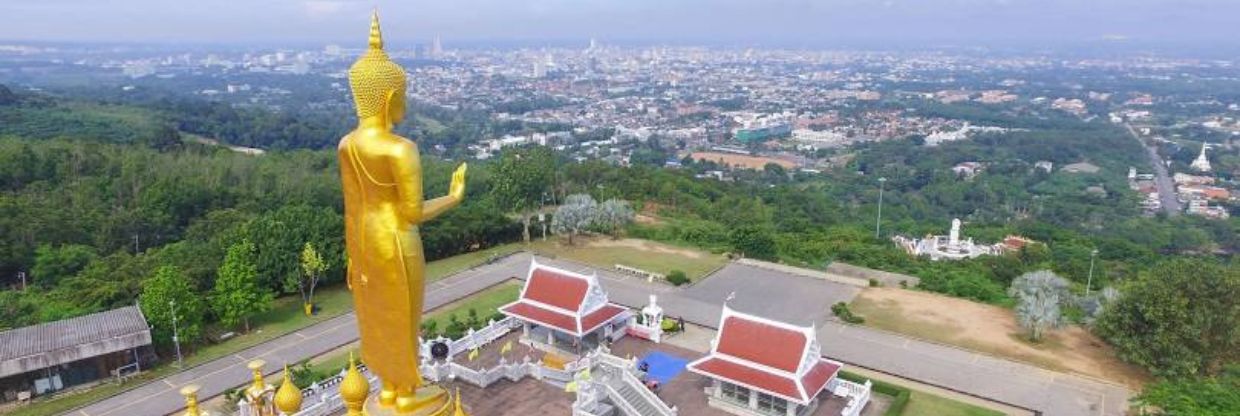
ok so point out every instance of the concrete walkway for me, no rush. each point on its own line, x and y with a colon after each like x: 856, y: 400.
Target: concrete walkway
x: 961, y: 371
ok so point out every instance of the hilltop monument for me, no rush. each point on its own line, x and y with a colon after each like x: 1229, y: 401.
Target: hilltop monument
x: 383, y: 206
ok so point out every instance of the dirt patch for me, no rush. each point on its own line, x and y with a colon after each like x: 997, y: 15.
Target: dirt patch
x: 741, y: 161
x: 644, y: 245
x: 993, y: 330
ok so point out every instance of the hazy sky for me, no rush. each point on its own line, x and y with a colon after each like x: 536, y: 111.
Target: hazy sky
x: 797, y: 22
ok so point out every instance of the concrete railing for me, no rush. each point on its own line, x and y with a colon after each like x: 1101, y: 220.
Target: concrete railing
x: 633, y: 271
x: 473, y: 338
x: 857, y: 395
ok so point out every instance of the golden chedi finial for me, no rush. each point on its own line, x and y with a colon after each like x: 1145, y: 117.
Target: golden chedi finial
x: 354, y: 389
x: 258, y: 386
x: 191, y: 400
x: 459, y: 409
x: 288, y: 396
x: 374, y: 77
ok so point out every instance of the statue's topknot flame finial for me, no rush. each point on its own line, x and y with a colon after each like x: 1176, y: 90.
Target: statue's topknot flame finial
x: 374, y: 76
x: 376, y: 36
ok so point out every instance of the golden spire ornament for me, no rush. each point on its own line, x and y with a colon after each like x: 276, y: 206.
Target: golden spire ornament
x: 258, y: 386
x: 288, y: 396
x: 354, y: 389
x: 191, y: 400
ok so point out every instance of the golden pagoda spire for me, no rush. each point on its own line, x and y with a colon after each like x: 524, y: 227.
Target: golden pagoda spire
x: 376, y: 36
x: 459, y: 410
x: 191, y: 400
x: 288, y: 396
x: 354, y: 389
x: 258, y: 386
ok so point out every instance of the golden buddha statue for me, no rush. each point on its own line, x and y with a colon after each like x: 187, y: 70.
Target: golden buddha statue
x: 383, y: 205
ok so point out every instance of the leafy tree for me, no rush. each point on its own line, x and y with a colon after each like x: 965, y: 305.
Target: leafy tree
x: 614, y: 214
x: 574, y: 216
x: 51, y: 264
x: 237, y: 293
x: 1198, y: 396
x: 1038, y: 297
x: 754, y: 241
x: 521, y: 180
x: 168, y: 292
x: 276, y: 236
x: 164, y: 138
x: 1179, y: 319
x: 312, y: 267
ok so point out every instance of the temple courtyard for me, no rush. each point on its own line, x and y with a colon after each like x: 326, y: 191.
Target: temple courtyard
x: 533, y: 397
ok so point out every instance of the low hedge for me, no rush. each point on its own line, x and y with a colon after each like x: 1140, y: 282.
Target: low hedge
x: 899, y: 395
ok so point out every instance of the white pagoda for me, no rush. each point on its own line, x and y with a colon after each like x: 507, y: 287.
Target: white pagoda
x: 1201, y: 163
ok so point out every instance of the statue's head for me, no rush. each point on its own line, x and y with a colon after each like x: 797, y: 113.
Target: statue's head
x: 378, y: 83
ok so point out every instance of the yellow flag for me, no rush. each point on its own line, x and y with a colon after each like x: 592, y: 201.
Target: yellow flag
x: 571, y: 387
x: 473, y: 354
x: 506, y: 348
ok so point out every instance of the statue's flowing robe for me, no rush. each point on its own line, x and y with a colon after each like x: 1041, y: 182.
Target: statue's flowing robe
x: 386, y: 266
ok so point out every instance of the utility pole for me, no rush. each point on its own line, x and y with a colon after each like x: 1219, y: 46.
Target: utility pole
x: 22, y: 275
x: 176, y: 339
x: 1089, y: 282
x: 878, y: 224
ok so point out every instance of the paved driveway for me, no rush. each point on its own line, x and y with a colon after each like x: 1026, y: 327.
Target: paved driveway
x: 772, y: 294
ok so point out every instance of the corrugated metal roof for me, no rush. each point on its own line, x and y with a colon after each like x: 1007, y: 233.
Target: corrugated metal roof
x: 73, y: 339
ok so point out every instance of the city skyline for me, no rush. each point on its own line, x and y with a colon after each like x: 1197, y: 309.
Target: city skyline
x: 887, y: 24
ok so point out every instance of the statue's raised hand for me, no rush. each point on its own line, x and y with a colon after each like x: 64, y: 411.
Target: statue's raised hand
x: 457, y: 189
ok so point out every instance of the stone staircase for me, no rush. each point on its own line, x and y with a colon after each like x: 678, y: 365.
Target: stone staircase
x: 631, y: 397
x: 636, y: 401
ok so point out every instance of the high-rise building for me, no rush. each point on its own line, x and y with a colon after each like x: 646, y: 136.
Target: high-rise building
x: 436, y: 47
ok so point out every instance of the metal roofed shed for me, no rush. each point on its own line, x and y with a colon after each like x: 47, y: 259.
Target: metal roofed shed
x: 52, y: 356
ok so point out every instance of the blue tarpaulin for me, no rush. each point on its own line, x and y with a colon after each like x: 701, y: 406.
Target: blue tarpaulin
x: 663, y: 367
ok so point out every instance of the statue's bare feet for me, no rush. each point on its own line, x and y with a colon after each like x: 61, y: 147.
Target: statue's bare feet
x: 387, y: 395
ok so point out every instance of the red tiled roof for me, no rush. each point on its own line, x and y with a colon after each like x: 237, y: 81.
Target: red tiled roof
x: 766, y: 356
x: 599, y: 317
x: 555, y: 289
x: 817, y: 378
x: 529, y: 312
x: 759, y: 343
x: 766, y: 382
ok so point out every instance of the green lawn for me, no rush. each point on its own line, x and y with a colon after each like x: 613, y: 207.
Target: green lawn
x: 284, y: 318
x: 442, y: 268
x: 643, y: 254
x: 485, y: 302
x: 928, y: 404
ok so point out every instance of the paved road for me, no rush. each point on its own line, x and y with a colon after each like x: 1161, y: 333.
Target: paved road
x: 1166, y: 188
x: 784, y: 296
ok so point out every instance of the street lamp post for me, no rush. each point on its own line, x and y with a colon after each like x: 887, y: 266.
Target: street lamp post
x: 176, y: 339
x: 1090, y: 281
x: 878, y: 224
